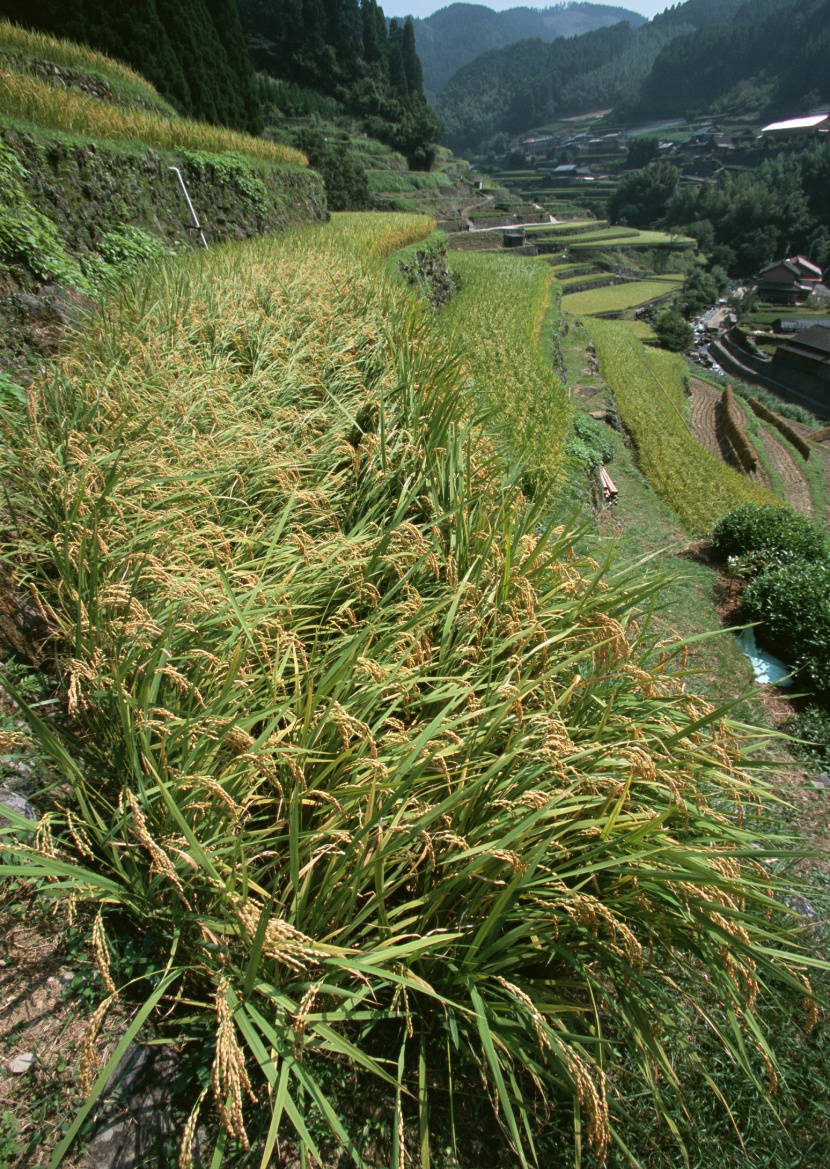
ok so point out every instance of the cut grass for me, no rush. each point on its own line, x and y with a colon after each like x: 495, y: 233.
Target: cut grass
x: 391, y: 780
x: 30, y: 99
x: 648, y: 390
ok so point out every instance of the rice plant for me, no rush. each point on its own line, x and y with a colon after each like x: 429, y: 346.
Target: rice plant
x: 28, y: 98
x: 497, y: 319
x: 648, y: 391
x: 618, y: 297
x: 26, y: 45
x: 392, y: 779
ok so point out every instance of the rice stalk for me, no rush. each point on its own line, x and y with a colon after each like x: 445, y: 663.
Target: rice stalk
x: 378, y: 748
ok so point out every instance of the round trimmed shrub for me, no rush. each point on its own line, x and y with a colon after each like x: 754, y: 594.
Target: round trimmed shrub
x: 812, y: 726
x: 768, y: 535
x: 793, y: 602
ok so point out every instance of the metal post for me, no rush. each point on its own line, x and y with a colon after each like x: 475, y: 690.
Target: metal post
x: 190, y: 206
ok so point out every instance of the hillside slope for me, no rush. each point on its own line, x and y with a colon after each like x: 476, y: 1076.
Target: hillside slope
x: 525, y: 85
x: 191, y: 50
x: 779, y: 50
x: 454, y: 35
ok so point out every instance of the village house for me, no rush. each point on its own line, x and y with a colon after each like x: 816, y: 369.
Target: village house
x: 798, y: 127
x: 788, y: 281
x: 803, y: 362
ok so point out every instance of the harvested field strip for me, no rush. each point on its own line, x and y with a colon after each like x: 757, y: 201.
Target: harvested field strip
x: 622, y: 296
x: 496, y: 319
x: 732, y: 424
x: 781, y: 424
x: 705, y: 417
x: 648, y: 390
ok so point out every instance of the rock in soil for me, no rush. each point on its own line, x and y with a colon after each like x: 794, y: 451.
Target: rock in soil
x: 15, y: 803
x: 135, y: 1127
x: 22, y: 1063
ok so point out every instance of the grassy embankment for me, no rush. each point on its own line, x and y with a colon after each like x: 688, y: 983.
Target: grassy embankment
x: 391, y: 783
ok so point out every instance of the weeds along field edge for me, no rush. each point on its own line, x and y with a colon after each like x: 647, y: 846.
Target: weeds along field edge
x: 52, y: 107
x: 496, y: 319
x: 391, y: 781
x: 648, y: 391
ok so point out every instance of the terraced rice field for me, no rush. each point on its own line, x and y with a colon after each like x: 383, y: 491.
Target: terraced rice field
x: 638, y: 240
x: 497, y: 319
x: 703, y: 411
x: 648, y: 390
x: 622, y: 296
x: 591, y: 278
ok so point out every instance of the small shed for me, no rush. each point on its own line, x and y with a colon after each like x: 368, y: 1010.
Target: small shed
x: 514, y: 239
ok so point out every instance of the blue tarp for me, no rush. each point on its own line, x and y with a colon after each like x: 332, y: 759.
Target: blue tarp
x: 769, y: 670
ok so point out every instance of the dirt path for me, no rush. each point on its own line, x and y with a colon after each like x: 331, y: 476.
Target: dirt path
x: 821, y: 451
x: 477, y: 206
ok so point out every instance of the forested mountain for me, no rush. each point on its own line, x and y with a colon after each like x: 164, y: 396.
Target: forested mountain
x: 451, y: 37
x: 343, y: 49
x: 779, y: 48
x: 529, y: 83
x: 767, y: 54
x: 191, y: 50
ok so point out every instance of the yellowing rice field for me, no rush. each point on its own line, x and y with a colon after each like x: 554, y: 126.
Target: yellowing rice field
x: 384, y: 777
x: 38, y: 46
x: 648, y: 391
x: 496, y: 320
x: 28, y: 98
x: 618, y: 297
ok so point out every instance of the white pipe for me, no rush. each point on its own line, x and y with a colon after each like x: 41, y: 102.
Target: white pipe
x: 190, y: 206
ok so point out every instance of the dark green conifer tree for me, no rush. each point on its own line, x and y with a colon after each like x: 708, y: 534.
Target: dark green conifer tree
x: 411, y: 62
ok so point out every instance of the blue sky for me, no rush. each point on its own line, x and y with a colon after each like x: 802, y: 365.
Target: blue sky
x: 425, y: 7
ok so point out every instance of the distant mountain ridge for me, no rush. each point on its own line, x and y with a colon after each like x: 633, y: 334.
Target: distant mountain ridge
x: 455, y: 35
x: 691, y: 59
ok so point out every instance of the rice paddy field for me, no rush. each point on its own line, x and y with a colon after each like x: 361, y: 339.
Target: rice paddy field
x: 27, y: 99
x: 21, y: 45
x: 620, y: 297
x: 421, y: 831
x: 496, y: 320
x: 648, y: 391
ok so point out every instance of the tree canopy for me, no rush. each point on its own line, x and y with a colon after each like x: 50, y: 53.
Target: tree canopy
x: 343, y: 49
